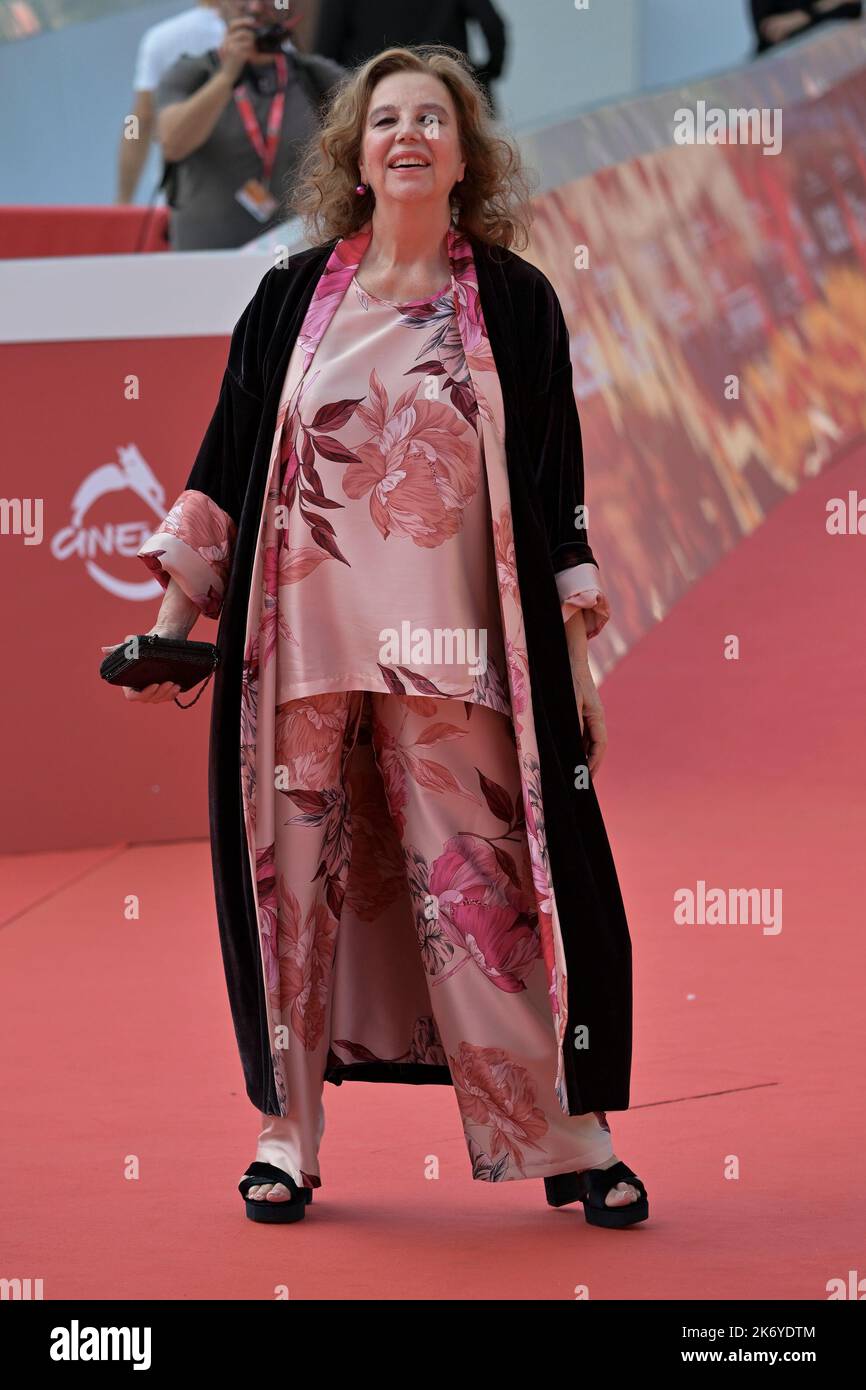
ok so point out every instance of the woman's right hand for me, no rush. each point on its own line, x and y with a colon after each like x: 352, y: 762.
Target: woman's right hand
x: 152, y: 694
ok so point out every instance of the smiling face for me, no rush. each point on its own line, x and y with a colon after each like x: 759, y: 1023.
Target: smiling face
x: 410, y: 150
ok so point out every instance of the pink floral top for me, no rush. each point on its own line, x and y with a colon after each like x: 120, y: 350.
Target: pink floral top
x: 375, y: 567
x: 379, y: 521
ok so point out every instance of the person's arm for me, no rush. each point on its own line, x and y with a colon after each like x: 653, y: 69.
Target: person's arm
x: 177, y: 614
x: 194, y: 543
x: 133, y: 149
x: 557, y: 453
x: 186, y: 121
x: 332, y: 30
x: 774, y: 21
x: 184, y: 126
x: 575, y: 633
x: 557, y: 450
x: 176, y: 618
x: 133, y: 152
x: 192, y: 550
x: 588, y: 701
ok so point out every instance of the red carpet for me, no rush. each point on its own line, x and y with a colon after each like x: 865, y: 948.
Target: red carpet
x: 117, y: 1043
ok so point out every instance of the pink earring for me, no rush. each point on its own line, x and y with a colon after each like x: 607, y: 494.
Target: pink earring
x: 360, y: 189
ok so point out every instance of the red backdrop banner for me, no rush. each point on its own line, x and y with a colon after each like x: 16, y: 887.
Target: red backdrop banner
x: 84, y: 766
x: 28, y: 232
x: 718, y: 341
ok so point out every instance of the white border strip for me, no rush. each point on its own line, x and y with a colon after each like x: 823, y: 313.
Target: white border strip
x: 166, y: 295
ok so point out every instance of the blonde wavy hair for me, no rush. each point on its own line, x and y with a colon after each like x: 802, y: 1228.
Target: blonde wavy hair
x: 493, y: 199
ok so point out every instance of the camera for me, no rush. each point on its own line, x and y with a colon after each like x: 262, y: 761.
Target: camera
x: 270, y: 37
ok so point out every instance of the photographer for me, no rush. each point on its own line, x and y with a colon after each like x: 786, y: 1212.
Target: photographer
x: 233, y: 123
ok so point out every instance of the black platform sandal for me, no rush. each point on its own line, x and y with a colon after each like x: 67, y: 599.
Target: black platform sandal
x: 591, y: 1187
x: 260, y: 1209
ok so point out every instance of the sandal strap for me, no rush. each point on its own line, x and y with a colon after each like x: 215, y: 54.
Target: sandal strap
x: 599, y: 1181
x: 259, y: 1172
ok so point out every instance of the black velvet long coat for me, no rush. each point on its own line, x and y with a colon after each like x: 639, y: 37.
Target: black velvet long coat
x: 529, y: 341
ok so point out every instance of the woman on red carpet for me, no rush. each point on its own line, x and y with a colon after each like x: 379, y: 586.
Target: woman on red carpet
x: 413, y: 878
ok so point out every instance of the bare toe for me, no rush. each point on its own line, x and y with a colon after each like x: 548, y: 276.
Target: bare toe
x: 279, y: 1193
x: 620, y: 1195
x: 269, y: 1192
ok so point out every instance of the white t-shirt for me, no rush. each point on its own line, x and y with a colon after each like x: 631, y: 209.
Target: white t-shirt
x: 194, y: 31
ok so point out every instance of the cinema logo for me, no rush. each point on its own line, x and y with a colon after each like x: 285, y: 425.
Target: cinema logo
x: 93, y: 543
x: 713, y: 125
x: 729, y: 907
x: 77, y: 1343
x: 437, y: 646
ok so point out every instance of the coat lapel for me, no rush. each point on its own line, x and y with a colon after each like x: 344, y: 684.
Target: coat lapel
x: 488, y: 394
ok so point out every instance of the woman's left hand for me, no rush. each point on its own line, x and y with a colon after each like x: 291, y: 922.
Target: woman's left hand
x: 589, y: 705
x: 591, y: 712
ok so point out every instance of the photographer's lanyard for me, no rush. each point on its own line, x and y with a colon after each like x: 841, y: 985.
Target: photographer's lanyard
x: 266, y: 148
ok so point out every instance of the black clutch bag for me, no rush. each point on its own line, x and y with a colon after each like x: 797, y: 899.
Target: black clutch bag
x: 160, y: 659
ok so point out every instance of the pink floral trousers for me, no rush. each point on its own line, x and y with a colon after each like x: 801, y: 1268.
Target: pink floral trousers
x: 451, y: 783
